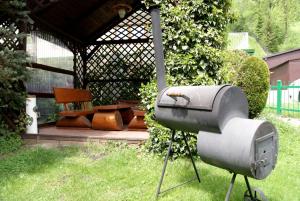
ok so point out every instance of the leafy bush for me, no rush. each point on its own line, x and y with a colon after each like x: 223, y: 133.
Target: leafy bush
x: 249, y: 73
x: 9, y: 140
x: 254, y: 79
x: 193, y: 37
x: 159, y: 135
x: 233, y: 60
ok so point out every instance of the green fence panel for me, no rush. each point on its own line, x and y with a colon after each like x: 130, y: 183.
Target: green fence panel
x: 279, y: 96
x: 282, y: 101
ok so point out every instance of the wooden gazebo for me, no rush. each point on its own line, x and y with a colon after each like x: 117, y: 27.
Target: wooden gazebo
x: 116, y: 45
x: 112, y: 55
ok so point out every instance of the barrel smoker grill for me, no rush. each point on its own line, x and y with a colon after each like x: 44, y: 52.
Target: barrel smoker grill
x: 226, y: 137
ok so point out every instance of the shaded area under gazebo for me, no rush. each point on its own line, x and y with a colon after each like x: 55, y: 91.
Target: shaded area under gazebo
x: 113, y: 54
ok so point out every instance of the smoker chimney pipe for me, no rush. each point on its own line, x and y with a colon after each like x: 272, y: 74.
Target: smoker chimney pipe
x: 158, y: 48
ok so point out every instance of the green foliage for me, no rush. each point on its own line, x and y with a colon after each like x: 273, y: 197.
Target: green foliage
x: 52, y: 117
x: 193, y: 37
x: 13, y: 73
x: 9, y: 141
x: 159, y: 135
x: 249, y: 73
x: 254, y: 79
x: 232, y: 64
x: 267, y: 20
x: 292, y: 39
x: 194, y: 34
x: 271, y: 36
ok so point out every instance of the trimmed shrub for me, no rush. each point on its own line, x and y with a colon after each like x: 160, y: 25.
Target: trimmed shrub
x: 249, y: 73
x: 233, y: 60
x: 254, y: 78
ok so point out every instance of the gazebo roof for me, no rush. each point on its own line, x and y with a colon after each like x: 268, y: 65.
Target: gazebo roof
x: 82, y: 21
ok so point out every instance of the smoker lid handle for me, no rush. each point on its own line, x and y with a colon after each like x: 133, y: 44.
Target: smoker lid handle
x: 174, y: 94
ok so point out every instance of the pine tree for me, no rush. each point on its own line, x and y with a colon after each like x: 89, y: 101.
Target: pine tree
x: 13, y: 71
x: 259, y: 26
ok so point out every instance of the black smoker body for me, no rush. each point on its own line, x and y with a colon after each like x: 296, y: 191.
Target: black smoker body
x: 226, y: 137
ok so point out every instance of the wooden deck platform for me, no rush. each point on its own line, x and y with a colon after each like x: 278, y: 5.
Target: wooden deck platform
x: 64, y: 136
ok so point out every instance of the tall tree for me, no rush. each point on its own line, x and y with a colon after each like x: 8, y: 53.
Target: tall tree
x: 267, y: 20
x: 13, y: 62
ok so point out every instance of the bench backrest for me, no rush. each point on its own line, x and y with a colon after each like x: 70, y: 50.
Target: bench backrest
x: 68, y: 95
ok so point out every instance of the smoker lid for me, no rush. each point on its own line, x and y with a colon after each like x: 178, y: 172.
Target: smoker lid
x: 190, y: 97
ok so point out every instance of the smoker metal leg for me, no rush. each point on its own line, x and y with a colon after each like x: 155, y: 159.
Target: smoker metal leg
x: 192, y: 159
x: 230, y: 187
x: 248, y: 196
x: 165, y: 164
x: 249, y: 188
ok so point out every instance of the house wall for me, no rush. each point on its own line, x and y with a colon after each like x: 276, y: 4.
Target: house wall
x: 295, y: 92
x: 280, y: 73
x: 294, y: 70
x: 277, y: 60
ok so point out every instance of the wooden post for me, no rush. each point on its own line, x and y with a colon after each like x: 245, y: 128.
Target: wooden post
x: 83, y: 54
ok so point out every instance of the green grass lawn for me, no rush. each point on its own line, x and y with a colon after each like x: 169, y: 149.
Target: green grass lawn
x: 117, y: 172
x: 290, y: 109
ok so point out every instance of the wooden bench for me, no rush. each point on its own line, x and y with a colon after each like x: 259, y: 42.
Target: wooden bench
x: 111, y: 117
x: 71, y: 117
x: 137, y: 121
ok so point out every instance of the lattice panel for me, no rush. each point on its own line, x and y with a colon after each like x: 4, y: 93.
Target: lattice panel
x: 6, y: 29
x: 121, y: 61
x: 116, y: 71
x: 110, y: 92
x: 136, y: 26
